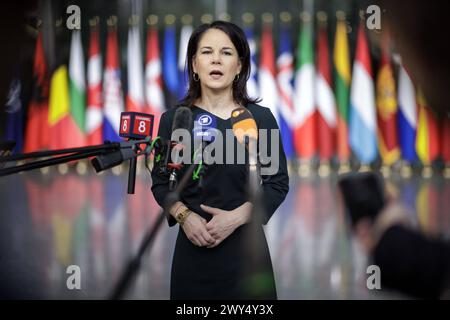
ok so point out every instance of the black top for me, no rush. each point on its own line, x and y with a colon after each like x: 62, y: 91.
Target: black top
x: 203, y: 273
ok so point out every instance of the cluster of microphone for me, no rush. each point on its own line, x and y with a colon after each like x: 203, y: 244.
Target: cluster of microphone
x: 168, y: 154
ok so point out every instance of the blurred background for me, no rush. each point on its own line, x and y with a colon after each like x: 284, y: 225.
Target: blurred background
x: 343, y: 93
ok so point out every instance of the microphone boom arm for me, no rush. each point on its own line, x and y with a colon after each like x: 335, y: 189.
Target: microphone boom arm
x: 68, y: 155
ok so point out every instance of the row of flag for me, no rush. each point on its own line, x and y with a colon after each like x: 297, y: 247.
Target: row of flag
x: 75, y: 109
x: 338, y: 114
x: 329, y: 111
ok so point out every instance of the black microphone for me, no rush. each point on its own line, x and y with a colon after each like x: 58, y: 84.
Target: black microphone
x: 181, y: 120
x: 112, y: 159
x: 205, y: 126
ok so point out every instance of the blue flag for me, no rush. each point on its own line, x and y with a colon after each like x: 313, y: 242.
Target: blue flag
x: 185, y: 34
x: 407, y: 116
x: 170, y: 67
x: 252, y: 83
x: 285, y: 78
x: 14, y: 117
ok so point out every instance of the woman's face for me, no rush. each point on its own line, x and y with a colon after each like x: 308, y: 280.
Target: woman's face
x: 216, y: 61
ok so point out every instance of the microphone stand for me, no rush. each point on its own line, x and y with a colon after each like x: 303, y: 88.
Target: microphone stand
x: 128, y: 275
x: 66, y: 155
x: 253, y: 250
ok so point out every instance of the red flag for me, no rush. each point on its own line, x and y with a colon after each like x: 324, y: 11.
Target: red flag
x: 427, y: 139
x: 37, y: 129
x: 266, y: 72
x: 135, y: 100
x: 445, y: 139
x: 387, y: 109
x: 325, y: 103
x: 94, y: 116
x: 153, y: 78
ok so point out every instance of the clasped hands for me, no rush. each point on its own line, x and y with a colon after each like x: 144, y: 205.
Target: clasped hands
x: 223, y: 223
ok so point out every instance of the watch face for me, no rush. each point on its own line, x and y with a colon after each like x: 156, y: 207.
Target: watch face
x: 182, y: 215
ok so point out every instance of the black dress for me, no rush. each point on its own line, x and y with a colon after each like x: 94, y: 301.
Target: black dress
x: 226, y: 271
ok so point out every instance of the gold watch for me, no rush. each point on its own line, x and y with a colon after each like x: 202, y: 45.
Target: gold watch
x: 181, y: 217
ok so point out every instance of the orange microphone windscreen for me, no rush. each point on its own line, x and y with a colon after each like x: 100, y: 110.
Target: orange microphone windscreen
x: 243, y: 124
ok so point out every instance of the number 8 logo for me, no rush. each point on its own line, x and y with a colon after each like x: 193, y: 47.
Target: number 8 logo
x: 125, y: 125
x: 141, y: 127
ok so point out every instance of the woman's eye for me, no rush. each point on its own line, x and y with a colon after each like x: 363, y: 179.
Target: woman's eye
x: 227, y: 53
x: 206, y: 52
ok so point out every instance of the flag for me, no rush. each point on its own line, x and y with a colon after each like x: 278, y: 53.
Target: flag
x: 59, y: 118
x: 94, y: 94
x: 304, y: 118
x: 341, y: 58
x: 153, y: 79
x: 112, y: 89
x: 445, y: 138
x: 362, y: 122
x: 387, y: 111
x: 135, y: 96
x: 170, y: 68
x: 266, y: 76
x: 325, y: 103
x: 285, y: 64
x: 37, y: 131
x: 252, y: 83
x: 14, y: 115
x: 427, y: 139
x: 77, y: 82
x: 185, y: 34
x: 407, y: 115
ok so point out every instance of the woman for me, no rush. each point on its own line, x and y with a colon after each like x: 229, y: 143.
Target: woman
x: 208, y: 262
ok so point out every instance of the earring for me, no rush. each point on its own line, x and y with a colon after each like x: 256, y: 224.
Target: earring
x: 236, y: 79
x: 195, y: 77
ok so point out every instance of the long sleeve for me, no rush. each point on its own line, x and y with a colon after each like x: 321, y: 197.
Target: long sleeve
x: 275, y: 187
x: 160, y: 181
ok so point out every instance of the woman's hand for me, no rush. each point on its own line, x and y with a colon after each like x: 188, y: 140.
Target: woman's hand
x: 194, y: 226
x: 225, y: 222
x: 195, y: 229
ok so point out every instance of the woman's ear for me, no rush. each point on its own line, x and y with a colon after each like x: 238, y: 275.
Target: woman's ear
x: 194, y: 65
x: 239, y: 66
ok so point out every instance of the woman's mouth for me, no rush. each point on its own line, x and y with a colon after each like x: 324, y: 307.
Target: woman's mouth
x: 216, y: 74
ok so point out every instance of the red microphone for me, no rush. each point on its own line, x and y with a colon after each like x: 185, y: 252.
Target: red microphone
x: 136, y: 125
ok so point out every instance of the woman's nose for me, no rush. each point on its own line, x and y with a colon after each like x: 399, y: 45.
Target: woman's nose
x: 216, y: 59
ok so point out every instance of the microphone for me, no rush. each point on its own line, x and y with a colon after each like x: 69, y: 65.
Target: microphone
x: 204, y: 133
x: 112, y: 159
x: 181, y: 120
x: 137, y: 127
x: 246, y: 132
